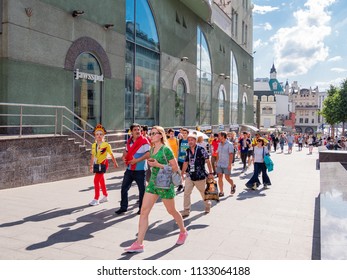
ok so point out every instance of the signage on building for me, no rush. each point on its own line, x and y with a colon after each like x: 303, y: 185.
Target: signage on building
x: 88, y: 76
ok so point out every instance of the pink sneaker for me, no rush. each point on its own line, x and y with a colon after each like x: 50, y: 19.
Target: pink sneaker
x: 135, y: 248
x: 182, y: 238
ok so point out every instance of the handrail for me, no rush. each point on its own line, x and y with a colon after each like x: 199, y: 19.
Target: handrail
x: 63, y: 120
x: 60, y: 116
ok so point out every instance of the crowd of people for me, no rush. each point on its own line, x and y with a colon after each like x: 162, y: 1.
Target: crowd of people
x: 197, y: 159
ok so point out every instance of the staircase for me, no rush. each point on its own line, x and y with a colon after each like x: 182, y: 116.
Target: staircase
x: 44, y: 143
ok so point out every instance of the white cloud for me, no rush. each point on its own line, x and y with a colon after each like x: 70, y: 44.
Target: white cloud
x: 338, y: 70
x: 335, y: 58
x: 263, y: 9
x: 267, y: 26
x: 298, y: 48
x: 259, y: 43
x: 326, y: 85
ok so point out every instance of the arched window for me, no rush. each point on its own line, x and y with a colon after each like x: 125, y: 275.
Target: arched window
x: 244, y: 106
x: 204, y: 81
x: 141, y: 65
x: 267, y: 110
x: 221, y: 104
x: 234, y: 90
x: 88, y: 90
x: 181, y: 91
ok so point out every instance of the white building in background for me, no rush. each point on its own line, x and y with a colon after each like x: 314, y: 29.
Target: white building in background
x: 321, y: 120
x: 305, y: 104
x: 274, y: 106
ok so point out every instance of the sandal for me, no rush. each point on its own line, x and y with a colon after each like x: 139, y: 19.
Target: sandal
x: 221, y: 194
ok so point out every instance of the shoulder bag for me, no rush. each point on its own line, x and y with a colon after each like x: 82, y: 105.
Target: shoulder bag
x: 98, y: 167
x: 268, y: 162
x: 166, y: 176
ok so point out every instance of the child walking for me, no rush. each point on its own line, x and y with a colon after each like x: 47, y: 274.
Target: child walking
x: 100, y: 149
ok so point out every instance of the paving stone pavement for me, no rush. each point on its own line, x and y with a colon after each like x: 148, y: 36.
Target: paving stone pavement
x: 52, y: 221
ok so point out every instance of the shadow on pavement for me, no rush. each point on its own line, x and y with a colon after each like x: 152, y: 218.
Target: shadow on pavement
x: 46, y: 215
x: 249, y: 193
x: 92, y: 223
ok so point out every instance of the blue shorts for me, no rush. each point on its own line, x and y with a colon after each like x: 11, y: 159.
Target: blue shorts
x: 223, y: 170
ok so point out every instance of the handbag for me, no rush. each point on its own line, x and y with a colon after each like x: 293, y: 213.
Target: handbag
x: 211, y: 190
x: 98, y: 167
x: 268, y: 162
x: 166, y: 176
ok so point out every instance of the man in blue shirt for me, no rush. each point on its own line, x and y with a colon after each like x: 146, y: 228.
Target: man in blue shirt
x: 182, y: 147
x: 244, y: 143
x: 224, y: 162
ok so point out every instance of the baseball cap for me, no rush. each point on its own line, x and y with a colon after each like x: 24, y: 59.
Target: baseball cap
x: 191, y: 135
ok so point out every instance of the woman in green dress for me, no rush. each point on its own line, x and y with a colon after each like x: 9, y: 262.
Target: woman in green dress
x: 161, y: 155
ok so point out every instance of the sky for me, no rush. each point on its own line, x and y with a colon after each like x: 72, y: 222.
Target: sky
x: 305, y: 39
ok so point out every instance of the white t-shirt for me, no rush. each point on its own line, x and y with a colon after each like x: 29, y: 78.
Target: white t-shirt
x: 259, y: 153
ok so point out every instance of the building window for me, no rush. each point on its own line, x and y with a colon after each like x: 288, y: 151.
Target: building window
x: 267, y: 110
x: 88, y: 90
x: 312, y: 120
x: 244, y: 107
x: 180, y: 95
x: 234, y: 20
x: 221, y: 98
x: 306, y: 120
x: 234, y: 90
x: 301, y: 120
x: 244, y: 33
x: 204, y: 81
x: 142, y: 60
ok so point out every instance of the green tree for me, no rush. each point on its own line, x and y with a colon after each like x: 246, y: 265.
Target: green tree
x: 342, y: 105
x: 330, y: 105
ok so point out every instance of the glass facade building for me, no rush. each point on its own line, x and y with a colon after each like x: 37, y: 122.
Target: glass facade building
x: 170, y: 63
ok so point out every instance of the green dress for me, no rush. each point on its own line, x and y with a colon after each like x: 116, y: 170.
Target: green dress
x: 159, y: 156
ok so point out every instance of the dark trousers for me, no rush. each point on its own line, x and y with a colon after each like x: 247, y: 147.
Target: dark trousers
x: 139, y: 176
x: 244, y: 159
x: 259, y: 167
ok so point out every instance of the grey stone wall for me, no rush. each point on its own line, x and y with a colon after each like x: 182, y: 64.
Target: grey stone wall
x: 33, y: 160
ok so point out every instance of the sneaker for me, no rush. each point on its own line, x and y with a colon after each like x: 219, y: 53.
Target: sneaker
x: 233, y: 189
x: 266, y: 186
x: 94, y: 202
x: 180, y: 188
x: 255, y: 186
x: 104, y: 199
x: 135, y: 248
x: 182, y: 238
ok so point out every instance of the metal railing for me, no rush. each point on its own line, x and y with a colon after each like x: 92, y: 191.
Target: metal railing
x: 22, y: 119
x: 45, y: 119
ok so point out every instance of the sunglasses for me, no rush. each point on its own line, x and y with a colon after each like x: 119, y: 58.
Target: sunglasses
x: 154, y: 133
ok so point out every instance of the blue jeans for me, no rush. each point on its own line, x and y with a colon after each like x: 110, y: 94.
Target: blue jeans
x: 259, y: 167
x: 139, y: 176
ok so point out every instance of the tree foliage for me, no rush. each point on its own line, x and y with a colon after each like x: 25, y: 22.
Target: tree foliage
x: 329, y: 111
x: 335, y: 105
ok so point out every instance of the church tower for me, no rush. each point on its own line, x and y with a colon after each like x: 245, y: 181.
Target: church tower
x: 275, y: 86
